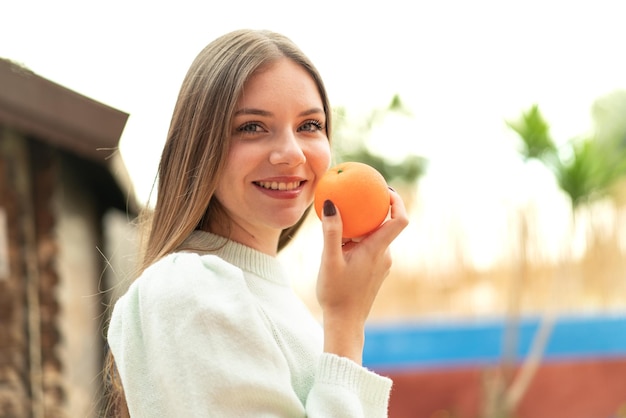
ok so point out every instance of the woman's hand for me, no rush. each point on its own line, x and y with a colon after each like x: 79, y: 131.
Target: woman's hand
x: 350, y: 276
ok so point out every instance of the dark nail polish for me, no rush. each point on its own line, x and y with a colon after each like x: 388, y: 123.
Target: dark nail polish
x: 329, y: 208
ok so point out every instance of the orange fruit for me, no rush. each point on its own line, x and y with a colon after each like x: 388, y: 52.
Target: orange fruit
x: 359, y: 192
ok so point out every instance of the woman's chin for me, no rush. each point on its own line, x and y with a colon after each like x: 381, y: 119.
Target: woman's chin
x: 288, y: 220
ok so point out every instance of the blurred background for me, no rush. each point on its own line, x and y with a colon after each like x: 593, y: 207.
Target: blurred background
x: 501, y: 123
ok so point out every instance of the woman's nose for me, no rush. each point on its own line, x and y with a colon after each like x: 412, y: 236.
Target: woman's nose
x: 287, y: 150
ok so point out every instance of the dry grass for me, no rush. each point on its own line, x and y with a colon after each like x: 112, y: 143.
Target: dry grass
x: 593, y: 282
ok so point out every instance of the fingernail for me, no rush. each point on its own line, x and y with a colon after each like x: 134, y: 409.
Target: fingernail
x: 391, y: 188
x: 329, y: 208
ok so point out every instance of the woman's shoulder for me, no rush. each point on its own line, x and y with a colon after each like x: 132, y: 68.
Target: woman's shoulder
x: 181, y: 296
x: 185, y: 278
x: 189, y: 265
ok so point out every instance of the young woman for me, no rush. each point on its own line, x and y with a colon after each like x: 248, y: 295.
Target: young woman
x: 211, y: 326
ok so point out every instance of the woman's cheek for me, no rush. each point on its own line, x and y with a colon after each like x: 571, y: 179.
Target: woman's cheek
x: 317, y: 155
x: 325, y: 157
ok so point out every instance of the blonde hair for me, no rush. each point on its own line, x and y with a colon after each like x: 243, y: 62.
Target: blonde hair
x: 197, y: 145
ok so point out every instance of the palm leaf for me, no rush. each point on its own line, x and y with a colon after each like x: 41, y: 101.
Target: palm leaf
x: 534, y: 132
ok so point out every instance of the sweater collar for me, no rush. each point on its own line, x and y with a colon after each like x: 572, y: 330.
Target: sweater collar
x: 242, y: 256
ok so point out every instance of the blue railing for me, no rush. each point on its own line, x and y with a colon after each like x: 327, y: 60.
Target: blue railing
x: 447, y: 343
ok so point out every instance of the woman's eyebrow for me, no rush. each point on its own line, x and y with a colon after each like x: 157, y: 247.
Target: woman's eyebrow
x: 252, y: 111
x: 260, y: 112
x: 313, y: 110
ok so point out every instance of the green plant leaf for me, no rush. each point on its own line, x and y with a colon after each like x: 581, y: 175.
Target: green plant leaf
x: 534, y: 132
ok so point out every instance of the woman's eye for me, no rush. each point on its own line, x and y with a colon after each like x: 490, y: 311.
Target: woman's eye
x: 250, y: 127
x: 312, y: 126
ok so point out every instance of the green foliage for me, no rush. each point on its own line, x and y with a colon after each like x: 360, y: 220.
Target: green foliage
x: 534, y: 131
x: 585, y: 169
x: 409, y: 170
x: 609, y: 114
x: 582, y: 175
x: 350, y: 136
x: 397, y: 105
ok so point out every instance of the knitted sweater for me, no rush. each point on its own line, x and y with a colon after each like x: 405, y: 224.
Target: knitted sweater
x: 222, y: 334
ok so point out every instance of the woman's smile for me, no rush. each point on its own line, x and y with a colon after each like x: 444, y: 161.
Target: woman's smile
x: 280, y: 185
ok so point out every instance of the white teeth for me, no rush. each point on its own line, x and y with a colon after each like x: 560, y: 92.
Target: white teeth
x: 274, y: 185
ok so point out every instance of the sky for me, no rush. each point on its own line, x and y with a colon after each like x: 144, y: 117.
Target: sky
x: 462, y: 68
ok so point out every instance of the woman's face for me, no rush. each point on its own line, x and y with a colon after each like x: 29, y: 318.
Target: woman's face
x: 279, y: 150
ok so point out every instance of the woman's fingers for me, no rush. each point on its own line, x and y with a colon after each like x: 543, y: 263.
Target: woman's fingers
x: 332, y: 229
x: 392, y: 227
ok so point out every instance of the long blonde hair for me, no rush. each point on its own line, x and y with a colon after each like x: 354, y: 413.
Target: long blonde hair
x: 197, y: 145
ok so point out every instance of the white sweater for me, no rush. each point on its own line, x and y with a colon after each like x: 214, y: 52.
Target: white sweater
x: 224, y: 335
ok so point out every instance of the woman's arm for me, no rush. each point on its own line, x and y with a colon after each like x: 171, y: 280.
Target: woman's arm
x: 350, y: 277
